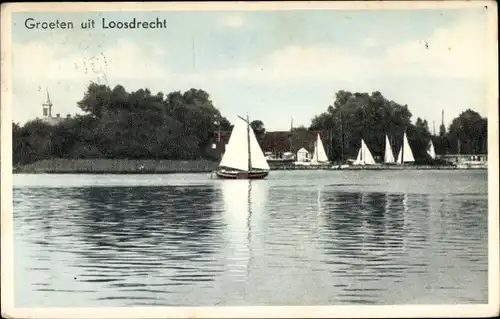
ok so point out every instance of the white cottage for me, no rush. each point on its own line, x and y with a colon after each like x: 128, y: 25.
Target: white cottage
x: 303, y: 155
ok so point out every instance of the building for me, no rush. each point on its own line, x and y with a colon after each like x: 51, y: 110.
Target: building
x: 303, y: 156
x: 218, y: 145
x: 47, y: 113
x: 466, y: 160
x: 283, y: 144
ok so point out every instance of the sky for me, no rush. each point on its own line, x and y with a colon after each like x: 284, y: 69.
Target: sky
x: 274, y: 65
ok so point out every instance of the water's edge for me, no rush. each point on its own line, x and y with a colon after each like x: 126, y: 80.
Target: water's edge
x: 123, y: 166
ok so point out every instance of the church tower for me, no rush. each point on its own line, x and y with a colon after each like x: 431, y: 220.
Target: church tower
x: 47, y: 106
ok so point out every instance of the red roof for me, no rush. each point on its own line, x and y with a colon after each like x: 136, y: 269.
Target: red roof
x: 286, y: 141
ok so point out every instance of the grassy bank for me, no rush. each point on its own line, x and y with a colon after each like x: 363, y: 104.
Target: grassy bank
x: 117, y: 166
x: 123, y: 166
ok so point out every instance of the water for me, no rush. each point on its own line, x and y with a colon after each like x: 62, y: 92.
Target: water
x: 296, y: 238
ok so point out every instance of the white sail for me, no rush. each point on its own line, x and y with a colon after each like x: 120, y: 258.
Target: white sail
x: 389, y: 156
x: 407, y: 153
x: 364, y: 157
x: 236, y: 154
x: 369, y: 160
x: 258, y: 159
x: 319, y: 154
x: 430, y: 150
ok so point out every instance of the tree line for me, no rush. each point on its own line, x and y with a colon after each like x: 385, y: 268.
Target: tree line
x: 142, y: 125
x: 121, y: 124
x: 356, y: 116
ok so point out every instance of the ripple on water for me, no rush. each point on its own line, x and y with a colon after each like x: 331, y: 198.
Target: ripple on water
x: 259, y: 243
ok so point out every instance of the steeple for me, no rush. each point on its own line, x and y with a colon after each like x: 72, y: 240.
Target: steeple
x: 47, y: 106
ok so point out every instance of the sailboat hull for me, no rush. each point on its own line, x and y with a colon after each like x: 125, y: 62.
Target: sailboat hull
x: 241, y: 175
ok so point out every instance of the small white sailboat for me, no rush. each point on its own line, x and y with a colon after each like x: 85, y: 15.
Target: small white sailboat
x: 319, y: 155
x: 405, y: 153
x: 430, y: 149
x: 364, y: 157
x: 388, y: 156
x: 243, y: 158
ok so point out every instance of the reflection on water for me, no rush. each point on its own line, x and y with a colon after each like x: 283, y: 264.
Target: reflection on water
x: 269, y: 242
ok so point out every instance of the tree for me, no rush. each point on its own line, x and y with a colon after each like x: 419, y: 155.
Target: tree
x: 33, y: 142
x: 96, y: 100
x: 17, y: 143
x: 442, y: 130
x: 468, y: 133
x: 301, y: 128
x: 419, y: 135
x: 122, y: 124
x: 258, y: 129
x: 356, y: 116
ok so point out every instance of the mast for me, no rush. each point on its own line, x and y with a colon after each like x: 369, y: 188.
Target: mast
x: 248, y: 143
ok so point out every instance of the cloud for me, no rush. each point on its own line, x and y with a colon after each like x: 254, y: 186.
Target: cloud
x: 458, y: 51
x: 301, y: 63
x: 369, y: 42
x: 233, y: 21
x: 39, y: 62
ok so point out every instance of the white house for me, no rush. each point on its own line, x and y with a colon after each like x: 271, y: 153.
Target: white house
x: 303, y: 155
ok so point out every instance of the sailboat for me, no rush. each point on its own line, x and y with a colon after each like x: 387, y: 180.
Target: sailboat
x: 430, y: 149
x: 388, y: 156
x: 319, y: 155
x: 365, y: 157
x: 405, y: 154
x: 243, y: 158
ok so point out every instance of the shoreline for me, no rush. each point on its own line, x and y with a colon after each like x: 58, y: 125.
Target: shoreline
x: 116, y: 166
x: 123, y: 166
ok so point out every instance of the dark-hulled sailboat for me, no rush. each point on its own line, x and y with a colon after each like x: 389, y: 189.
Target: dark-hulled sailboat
x: 243, y: 158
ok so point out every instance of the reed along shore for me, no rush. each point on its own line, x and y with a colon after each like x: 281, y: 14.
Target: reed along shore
x: 124, y: 166
x: 117, y: 166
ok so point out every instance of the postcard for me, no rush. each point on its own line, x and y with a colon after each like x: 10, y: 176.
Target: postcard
x: 249, y: 159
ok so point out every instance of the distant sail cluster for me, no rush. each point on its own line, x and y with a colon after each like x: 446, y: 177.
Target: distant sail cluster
x: 405, y: 154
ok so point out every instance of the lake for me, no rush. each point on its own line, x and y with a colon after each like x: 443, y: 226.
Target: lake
x: 296, y: 238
